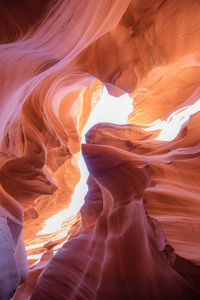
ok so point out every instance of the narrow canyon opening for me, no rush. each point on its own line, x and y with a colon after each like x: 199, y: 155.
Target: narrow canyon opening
x: 126, y: 225
x: 113, y: 110
x: 108, y: 109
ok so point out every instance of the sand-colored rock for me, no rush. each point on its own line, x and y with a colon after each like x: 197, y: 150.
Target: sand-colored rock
x: 138, y: 233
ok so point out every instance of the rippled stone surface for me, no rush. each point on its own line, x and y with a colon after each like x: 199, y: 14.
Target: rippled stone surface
x: 138, y: 233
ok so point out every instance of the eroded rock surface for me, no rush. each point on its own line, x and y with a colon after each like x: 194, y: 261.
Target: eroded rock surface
x: 138, y: 234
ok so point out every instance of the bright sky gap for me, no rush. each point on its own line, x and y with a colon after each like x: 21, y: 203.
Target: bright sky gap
x: 108, y: 109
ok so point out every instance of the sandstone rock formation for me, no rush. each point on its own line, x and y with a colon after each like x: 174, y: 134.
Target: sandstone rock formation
x: 138, y: 234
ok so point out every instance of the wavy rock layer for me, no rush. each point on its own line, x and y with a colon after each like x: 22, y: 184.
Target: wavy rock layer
x: 138, y: 234
x: 125, y: 252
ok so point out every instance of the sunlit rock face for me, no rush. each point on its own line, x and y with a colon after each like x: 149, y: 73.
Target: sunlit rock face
x: 137, y: 235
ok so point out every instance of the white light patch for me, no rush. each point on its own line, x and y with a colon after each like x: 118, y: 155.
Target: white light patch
x: 108, y: 109
x: 172, y: 126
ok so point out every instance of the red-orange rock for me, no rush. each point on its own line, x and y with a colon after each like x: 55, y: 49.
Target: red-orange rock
x: 138, y: 234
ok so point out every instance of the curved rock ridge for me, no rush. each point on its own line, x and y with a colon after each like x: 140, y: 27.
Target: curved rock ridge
x: 124, y: 254
x: 13, y: 262
x: 138, y: 233
x: 45, y: 102
x: 172, y: 198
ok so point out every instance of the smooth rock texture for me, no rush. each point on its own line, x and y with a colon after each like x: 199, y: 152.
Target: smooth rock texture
x: 137, y: 235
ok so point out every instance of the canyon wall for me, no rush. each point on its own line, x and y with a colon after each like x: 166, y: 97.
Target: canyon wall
x: 137, y: 235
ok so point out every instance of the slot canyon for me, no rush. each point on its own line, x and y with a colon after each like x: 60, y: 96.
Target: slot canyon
x: 127, y: 226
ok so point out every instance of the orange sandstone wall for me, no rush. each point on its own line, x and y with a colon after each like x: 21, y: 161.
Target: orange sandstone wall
x: 138, y: 234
